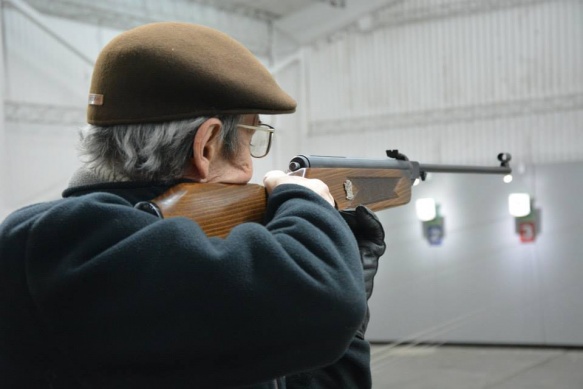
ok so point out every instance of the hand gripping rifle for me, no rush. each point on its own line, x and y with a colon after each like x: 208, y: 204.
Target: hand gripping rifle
x: 377, y: 183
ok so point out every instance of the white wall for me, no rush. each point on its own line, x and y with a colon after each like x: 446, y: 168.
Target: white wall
x: 444, y: 88
x: 482, y: 285
x: 291, y: 130
x: 45, y: 95
x: 458, y: 88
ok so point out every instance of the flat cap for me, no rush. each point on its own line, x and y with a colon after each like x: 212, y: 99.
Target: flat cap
x: 170, y: 71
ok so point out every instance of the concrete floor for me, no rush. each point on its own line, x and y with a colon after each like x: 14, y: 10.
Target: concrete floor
x: 451, y: 367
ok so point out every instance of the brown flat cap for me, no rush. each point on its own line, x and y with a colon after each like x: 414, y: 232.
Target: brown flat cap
x: 169, y: 71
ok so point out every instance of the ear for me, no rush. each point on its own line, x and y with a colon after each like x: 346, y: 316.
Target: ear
x: 206, y: 146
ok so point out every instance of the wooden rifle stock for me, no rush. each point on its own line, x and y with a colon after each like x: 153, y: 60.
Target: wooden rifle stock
x: 378, y: 184
x: 218, y: 208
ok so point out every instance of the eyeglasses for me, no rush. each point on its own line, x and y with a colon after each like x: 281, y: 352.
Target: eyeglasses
x: 260, y: 140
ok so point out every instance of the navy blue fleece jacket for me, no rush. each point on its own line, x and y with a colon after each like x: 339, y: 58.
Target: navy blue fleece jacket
x: 94, y: 293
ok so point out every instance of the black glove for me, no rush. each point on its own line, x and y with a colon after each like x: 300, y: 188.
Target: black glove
x: 370, y: 237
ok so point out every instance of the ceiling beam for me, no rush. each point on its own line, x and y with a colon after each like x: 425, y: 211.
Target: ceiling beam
x: 247, y: 27
x: 319, y: 20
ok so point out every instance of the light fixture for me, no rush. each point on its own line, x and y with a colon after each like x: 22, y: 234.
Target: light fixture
x: 527, y: 218
x: 432, y: 223
x: 426, y: 209
x: 507, y: 178
x: 519, y: 204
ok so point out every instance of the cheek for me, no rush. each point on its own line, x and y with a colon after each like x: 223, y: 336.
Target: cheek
x: 243, y: 162
x: 245, y: 150
x: 243, y: 159
x: 246, y: 162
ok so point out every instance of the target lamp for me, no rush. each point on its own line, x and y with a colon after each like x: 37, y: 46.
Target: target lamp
x: 426, y: 209
x: 519, y: 204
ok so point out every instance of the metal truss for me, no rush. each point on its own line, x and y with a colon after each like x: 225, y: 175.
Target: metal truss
x: 335, y: 3
x: 416, y: 10
x: 25, y: 112
x: 34, y: 113
x: 126, y: 14
x: 123, y: 14
x: 425, y: 118
x: 110, y: 15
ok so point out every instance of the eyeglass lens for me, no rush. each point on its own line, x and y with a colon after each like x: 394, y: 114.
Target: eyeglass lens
x: 260, y: 143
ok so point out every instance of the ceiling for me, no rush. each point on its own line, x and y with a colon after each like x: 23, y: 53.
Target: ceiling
x: 301, y: 22
x: 271, y: 9
x: 296, y: 18
x: 256, y: 23
x: 266, y: 10
x: 272, y: 29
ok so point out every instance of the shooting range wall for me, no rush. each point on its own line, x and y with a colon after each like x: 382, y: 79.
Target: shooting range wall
x: 450, y: 82
x: 482, y: 284
x: 453, y: 82
x: 45, y: 81
x: 457, y: 83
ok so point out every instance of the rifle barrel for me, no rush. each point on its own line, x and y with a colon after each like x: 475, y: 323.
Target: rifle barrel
x: 321, y: 161
x: 433, y: 168
x: 414, y: 168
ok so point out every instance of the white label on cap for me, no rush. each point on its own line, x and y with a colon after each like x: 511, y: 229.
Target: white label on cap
x: 95, y: 99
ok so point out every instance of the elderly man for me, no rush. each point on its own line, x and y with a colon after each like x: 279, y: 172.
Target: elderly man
x: 99, y: 294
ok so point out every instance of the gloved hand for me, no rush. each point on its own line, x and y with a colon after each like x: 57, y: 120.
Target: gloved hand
x: 370, y: 237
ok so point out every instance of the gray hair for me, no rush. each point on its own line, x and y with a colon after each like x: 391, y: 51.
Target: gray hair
x: 149, y: 152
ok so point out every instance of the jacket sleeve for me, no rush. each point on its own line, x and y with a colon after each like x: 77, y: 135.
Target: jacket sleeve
x: 352, y: 370
x: 120, y: 289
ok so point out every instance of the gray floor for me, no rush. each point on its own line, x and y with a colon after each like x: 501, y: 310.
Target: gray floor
x: 450, y: 367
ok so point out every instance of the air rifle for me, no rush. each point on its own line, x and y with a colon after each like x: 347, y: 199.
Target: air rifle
x: 377, y: 183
